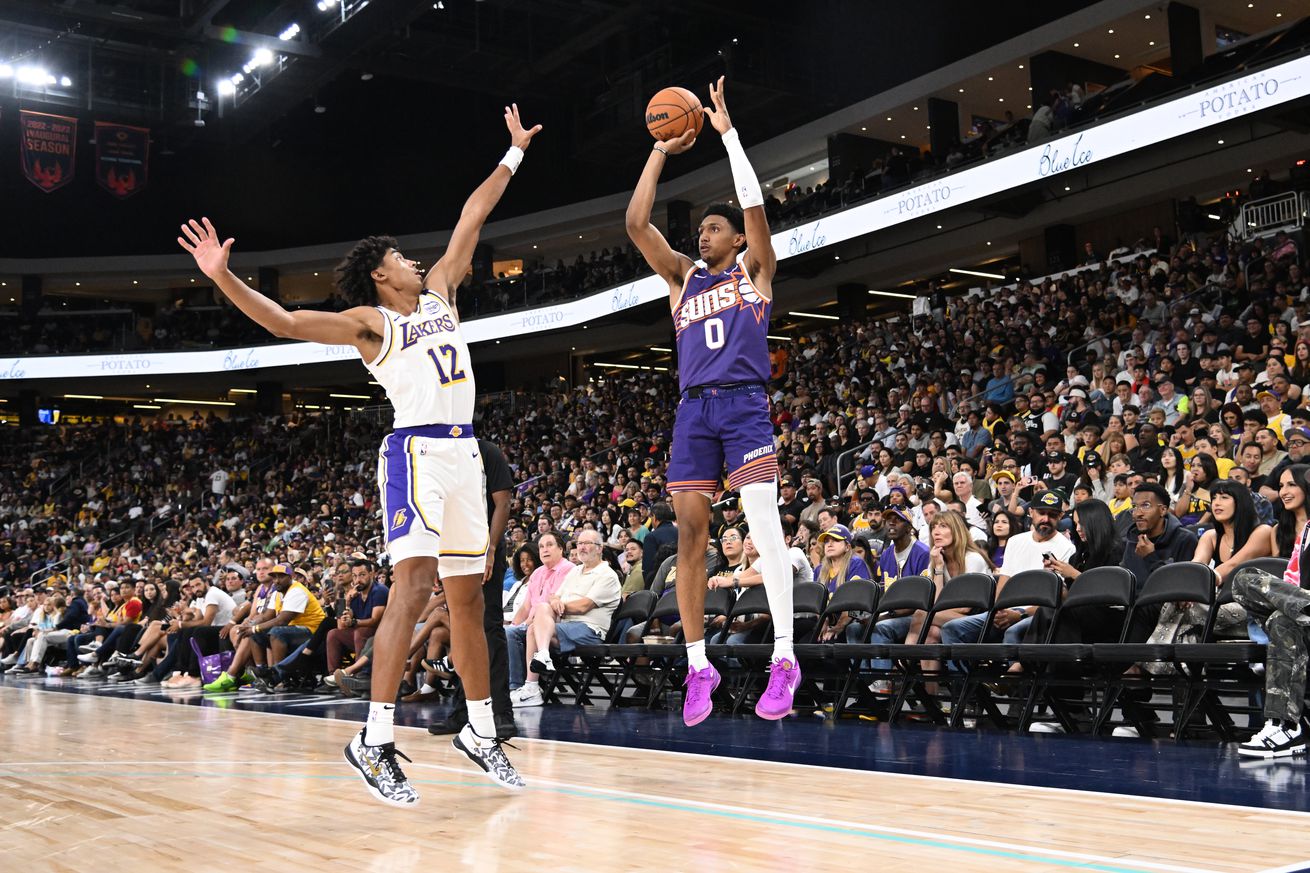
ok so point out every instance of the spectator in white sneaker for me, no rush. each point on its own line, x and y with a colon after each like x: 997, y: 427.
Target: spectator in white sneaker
x: 578, y: 615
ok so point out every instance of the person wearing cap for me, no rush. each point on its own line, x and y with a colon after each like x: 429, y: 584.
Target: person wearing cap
x: 297, y: 615
x: 729, y: 514
x: 1025, y: 551
x: 1057, y: 476
x: 840, y: 564
x: 1275, y: 418
x: 1005, y: 487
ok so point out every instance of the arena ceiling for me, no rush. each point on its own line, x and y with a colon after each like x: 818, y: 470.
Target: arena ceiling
x: 363, y: 93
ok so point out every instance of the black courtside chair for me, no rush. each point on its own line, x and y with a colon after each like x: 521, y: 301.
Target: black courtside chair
x: 969, y: 591
x: 986, y: 662
x: 636, y: 609
x: 1183, y: 581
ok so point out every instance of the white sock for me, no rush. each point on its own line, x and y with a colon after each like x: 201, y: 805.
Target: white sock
x: 531, y: 685
x: 482, y: 721
x: 696, y: 655
x: 760, y: 501
x: 380, y: 727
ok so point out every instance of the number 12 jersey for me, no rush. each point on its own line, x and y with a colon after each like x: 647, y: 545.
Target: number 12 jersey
x: 424, y: 365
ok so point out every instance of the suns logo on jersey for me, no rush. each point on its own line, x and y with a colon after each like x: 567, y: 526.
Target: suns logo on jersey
x: 399, y: 520
x: 712, y: 301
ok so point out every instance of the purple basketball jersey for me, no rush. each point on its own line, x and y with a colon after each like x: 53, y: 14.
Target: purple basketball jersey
x: 721, y: 324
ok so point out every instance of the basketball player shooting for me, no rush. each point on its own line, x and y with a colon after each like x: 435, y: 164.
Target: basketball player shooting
x: 429, y: 468
x: 720, y: 310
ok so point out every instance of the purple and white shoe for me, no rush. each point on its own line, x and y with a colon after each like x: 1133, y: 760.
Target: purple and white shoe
x: 777, y: 700
x: 698, y: 703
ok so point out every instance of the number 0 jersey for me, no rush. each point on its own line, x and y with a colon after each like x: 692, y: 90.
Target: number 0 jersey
x: 721, y: 323
x: 424, y: 365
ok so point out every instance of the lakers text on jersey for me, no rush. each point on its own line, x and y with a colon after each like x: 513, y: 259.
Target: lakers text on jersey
x: 424, y: 365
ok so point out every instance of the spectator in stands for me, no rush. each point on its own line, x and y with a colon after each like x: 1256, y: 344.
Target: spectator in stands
x: 298, y: 615
x: 542, y: 586
x: 577, y: 615
x: 209, y: 611
x: 366, y: 603
x: 1025, y: 551
x: 1157, y: 538
x: 839, y: 563
x: 1281, y: 609
x: 663, y: 532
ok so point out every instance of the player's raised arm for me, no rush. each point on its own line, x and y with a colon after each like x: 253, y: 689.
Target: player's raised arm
x: 360, y: 327
x: 653, y: 246
x: 450, y: 269
x: 761, y: 260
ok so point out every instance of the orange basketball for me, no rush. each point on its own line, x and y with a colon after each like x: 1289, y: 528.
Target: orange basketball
x: 671, y: 112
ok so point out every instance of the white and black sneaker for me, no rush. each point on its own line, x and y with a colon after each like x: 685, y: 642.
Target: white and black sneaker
x: 541, y: 663
x: 490, y: 757
x: 378, y: 767
x: 1275, y: 740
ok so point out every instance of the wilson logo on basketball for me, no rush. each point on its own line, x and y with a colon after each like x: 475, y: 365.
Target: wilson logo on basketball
x: 652, y: 117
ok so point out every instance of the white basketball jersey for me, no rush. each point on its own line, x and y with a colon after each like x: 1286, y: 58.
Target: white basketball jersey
x: 424, y: 365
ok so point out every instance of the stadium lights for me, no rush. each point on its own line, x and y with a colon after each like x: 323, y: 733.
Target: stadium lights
x: 83, y: 397
x: 242, y: 391
x: 660, y: 349
x: 145, y: 406
x: 352, y: 396
x: 65, y: 82
x: 194, y: 402
x: 291, y: 32
x: 226, y: 87
x: 814, y: 315
x: 893, y: 294
x: 1213, y: 217
x: 782, y: 339
x: 975, y: 273
x: 6, y: 71
x: 325, y: 5
x: 619, y: 366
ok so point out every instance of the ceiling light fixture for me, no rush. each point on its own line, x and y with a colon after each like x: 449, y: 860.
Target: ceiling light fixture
x: 892, y: 294
x: 978, y: 273
x: 195, y: 402
x: 814, y: 315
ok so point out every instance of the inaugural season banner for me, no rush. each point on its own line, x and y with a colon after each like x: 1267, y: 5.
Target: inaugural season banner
x: 49, y: 146
x: 122, y: 158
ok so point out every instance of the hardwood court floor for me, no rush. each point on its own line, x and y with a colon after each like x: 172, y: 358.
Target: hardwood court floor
x: 105, y: 783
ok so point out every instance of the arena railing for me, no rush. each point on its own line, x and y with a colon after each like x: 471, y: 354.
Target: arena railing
x: 1270, y: 214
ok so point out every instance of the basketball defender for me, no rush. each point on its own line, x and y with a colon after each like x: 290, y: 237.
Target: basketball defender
x: 429, y: 468
x: 721, y: 309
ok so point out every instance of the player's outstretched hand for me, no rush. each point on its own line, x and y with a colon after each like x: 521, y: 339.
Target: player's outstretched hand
x: 202, y: 242
x: 680, y: 144
x: 517, y: 135
x: 718, y: 116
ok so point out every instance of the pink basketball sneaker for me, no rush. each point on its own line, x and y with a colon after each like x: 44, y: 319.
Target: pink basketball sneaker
x: 698, y: 704
x: 776, y: 701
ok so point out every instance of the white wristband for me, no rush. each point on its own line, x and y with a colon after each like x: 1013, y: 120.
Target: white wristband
x: 743, y: 175
x: 512, y: 159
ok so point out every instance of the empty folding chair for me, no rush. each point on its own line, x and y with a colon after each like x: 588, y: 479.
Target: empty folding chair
x: 1049, y: 665
x: 636, y: 609
x: 828, y: 661
x: 971, y: 591
x: 986, y: 662
x: 1185, y: 582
